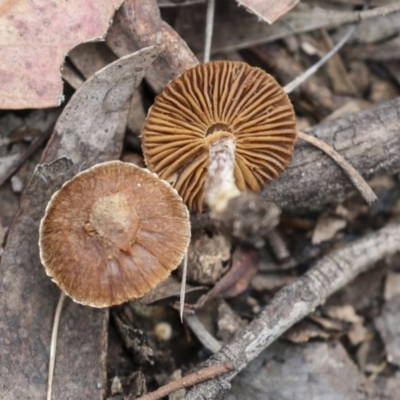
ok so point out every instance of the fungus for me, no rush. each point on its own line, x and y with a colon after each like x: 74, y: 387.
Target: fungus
x: 112, y: 233
x: 218, y: 129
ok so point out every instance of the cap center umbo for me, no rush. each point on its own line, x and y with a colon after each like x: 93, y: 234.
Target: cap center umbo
x: 113, y: 218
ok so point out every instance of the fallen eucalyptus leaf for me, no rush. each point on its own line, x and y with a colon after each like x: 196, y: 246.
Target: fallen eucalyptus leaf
x: 34, y: 39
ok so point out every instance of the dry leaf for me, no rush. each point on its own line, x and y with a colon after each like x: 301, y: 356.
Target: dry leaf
x: 304, y: 331
x: 34, y: 39
x: 329, y: 324
x: 269, y: 11
x: 90, y: 130
x: 326, y: 228
x: 345, y: 313
x: 357, y: 334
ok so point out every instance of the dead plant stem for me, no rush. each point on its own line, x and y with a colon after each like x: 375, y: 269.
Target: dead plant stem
x: 53, y: 344
x: 190, y: 380
x: 314, y: 68
x: 183, y: 284
x: 209, y: 30
x: 202, y: 333
x: 354, y: 176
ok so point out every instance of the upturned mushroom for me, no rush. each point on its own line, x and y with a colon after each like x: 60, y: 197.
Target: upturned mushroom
x: 112, y: 233
x: 218, y: 129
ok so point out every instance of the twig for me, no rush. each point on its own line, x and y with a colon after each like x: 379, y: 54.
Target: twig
x: 295, y: 301
x: 183, y: 285
x: 209, y: 29
x: 354, y: 176
x: 370, y: 139
x: 53, y: 344
x: 190, y: 380
x: 379, y: 11
x: 312, y: 70
x: 205, y: 337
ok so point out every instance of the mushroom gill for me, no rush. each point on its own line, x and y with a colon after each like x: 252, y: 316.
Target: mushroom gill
x: 209, y: 102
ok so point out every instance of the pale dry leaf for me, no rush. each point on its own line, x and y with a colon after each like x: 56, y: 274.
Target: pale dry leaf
x: 95, y: 109
x: 329, y: 324
x: 304, y: 331
x: 357, y: 334
x: 344, y: 313
x: 326, y: 228
x: 34, y: 39
x: 269, y: 11
x: 89, y: 130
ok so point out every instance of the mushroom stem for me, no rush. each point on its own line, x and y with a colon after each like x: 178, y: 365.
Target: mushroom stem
x: 220, y: 184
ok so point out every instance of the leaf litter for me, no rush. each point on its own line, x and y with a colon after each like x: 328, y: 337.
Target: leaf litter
x: 359, y: 322
x: 89, y: 130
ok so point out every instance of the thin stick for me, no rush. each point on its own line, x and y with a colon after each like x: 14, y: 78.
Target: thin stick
x: 190, y: 380
x: 312, y: 70
x: 205, y: 337
x: 53, y: 344
x: 379, y: 11
x: 209, y: 29
x: 183, y: 285
x: 295, y: 301
x: 354, y: 176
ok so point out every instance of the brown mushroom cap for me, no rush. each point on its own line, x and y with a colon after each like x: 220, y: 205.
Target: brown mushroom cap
x: 112, y: 233
x: 207, y: 102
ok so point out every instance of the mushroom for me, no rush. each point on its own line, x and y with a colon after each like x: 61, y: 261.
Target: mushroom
x: 112, y: 233
x: 218, y: 129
